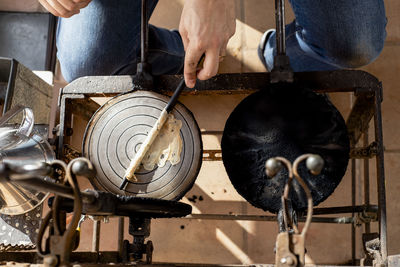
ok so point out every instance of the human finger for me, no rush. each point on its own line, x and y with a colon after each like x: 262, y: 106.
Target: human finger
x: 222, y: 51
x: 49, y: 8
x: 192, y: 58
x: 84, y: 4
x: 57, y: 8
x: 210, y: 66
x: 74, y: 4
x: 81, y: 1
x: 63, y: 11
x: 69, y: 5
x: 184, y: 37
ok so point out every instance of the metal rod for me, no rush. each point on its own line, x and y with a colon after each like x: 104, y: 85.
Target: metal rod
x: 345, y: 209
x: 210, y: 132
x: 64, y: 121
x: 144, y: 33
x: 59, y: 189
x: 353, y: 203
x: 339, y: 220
x: 51, y: 51
x: 121, y: 226
x: 280, y: 27
x: 380, y: 169
x: 96, y: 236
x: 366, y: 182
x: 392, y: 151
x: 10, y: 86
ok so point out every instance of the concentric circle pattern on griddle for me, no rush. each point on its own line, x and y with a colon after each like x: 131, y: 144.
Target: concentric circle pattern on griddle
x: 115, y: 133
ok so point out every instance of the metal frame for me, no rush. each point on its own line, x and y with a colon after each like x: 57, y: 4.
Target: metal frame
x: 367, y: 89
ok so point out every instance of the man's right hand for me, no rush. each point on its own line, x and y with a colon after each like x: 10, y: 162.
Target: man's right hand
x: 206, y: 27
x: 64, y: 8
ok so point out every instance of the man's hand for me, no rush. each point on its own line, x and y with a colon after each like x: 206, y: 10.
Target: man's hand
x: 64, y: 8
x: 206, y: 27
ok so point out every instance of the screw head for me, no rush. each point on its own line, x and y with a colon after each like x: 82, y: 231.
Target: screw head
x: 288, y: 261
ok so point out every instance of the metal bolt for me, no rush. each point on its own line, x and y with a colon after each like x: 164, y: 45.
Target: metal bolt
x: 287, y: 260
x: 69, y: 132
x: 272, y: 166
x: 315, y: 164
x: 79, y: 167
x: 50, y: 261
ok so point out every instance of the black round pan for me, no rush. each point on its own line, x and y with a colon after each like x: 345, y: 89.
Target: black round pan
x: 287, y: 121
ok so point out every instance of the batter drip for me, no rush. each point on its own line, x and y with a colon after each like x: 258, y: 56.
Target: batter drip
x: 166, y: 147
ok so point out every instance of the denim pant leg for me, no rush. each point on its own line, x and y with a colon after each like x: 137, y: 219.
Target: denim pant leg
x: 329, y: 35
x: 104, y: 39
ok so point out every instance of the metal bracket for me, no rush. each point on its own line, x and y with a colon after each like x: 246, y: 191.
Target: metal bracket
x: 364, y: 152
x: 139, y: 228
x: 372, y: 249
x: 290, y: 250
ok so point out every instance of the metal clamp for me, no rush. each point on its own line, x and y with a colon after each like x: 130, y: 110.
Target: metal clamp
x: 290, y: 244
x: 63, y: 239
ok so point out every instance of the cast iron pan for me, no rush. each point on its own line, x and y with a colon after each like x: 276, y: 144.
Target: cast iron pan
x: 287, y: 121
x: 115, y: 133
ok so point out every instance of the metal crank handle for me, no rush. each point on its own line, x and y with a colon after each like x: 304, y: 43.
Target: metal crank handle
x: 152, y: 135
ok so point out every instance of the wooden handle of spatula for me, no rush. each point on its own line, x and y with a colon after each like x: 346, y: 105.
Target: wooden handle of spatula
x: 151, y: 136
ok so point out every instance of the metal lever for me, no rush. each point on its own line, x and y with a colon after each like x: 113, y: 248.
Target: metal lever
x: 280, y: 27
x: 281, y: 72
x: 144, y: 79
x: 290, y: 246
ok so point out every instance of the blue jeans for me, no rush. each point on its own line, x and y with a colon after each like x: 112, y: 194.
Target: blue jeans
x: 330, y: 35
x: 104, y: 39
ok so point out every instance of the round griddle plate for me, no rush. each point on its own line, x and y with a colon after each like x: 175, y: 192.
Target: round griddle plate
x: 288, y: 122
x: 115, y: 133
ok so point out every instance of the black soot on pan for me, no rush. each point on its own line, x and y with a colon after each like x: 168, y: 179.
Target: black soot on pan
x: 286, y: 121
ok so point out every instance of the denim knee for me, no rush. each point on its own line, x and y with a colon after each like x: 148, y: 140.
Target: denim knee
x: 357, y: 51
x: 75, y: 64
x: 72, y: 68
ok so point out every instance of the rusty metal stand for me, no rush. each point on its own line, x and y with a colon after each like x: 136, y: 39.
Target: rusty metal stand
x: 75, y: 99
